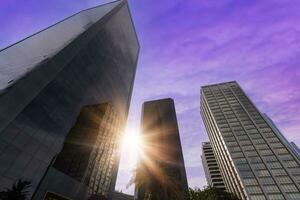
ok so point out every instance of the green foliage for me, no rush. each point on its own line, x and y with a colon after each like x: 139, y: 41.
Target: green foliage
x: 210, y: 193
x: 19, y: 191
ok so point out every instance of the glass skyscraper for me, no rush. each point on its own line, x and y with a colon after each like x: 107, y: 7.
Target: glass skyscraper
x: 254, y: 161
x: 46, y: 79
x: 211, y: 168
x: 161, y: 164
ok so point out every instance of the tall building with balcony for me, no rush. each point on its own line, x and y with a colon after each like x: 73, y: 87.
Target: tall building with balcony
x: 47, y: 78
x: 211, y: 168
x: 161, y: 169
x: 254, y: 161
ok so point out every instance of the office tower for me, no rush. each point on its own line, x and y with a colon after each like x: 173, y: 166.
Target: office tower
x: 211, y: 168
x: 122, y: 196
x: 161, y: 165
x: 254, y: 161
x: 86, y: 59
x: 88, y: 156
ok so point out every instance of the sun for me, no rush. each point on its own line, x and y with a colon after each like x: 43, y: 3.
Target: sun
x: 131, y: 145
x: 132, y: 139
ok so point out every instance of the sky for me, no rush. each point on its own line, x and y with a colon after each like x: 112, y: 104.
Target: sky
x: 189, y: 43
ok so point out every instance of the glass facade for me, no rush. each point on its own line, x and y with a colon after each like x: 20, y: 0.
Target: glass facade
x: 56, y: 72
x: 88, y: 156
x: 254, y: 161
x: 162, y: 160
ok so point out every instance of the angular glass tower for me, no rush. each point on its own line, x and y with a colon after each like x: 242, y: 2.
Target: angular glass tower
x: 211, y: 168
x: 161, y: 164
x: 254, y: 161
x: 45, y: 80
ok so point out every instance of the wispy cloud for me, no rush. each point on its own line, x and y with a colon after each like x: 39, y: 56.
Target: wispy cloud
x: 186, y: 44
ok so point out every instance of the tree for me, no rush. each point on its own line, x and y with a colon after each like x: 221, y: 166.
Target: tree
x: 210, y: 193
x: 19, y: 191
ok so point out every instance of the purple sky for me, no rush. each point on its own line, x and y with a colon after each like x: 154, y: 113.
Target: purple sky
x: 186, y: 44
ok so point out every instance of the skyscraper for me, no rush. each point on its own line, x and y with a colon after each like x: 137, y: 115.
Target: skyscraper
x: 254, y: 162
x: 161, y: 164
x: 46, y: 79
x: 211, y: 168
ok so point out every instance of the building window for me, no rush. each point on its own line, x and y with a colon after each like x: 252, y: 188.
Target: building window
x: 294, y: 171
x: 266, y: 180
x: 262, y: 173
x: 266, y: 152
x: 270, y: 158
x: 273, y: 140
x: 234, y: 149
x: 284, y: 179
x: 243, y: 137
x: 248, y: 148
x: 289, y: 188
x: 269, y: 135
x: 291, y: 164
x: 255, y: 160
x: 246, y: 174
x: 250, y: 181
x: 262, y: 146
x: 255, y: 136
x: 243, y: 167
x: 278, y: 172
x: 237, y: 155
x: 240, y: 161
x: 257, y: 197
x: 258, y: 166
x: 277, y: 145
x: 271, y: 189
x: 281, y: 151
x: 254, y: 189
x: 251, y: 153
x: 259, y: 142
x: 286, y: 157
x: 232, y: 144
x: 274, y: 165
x: 245, y: 142
x: 293, y: 196
x: 275, y: 197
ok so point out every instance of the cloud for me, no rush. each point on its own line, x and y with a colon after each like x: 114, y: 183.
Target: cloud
x: 186, y: 44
